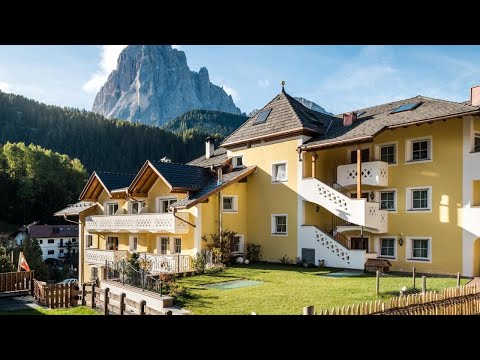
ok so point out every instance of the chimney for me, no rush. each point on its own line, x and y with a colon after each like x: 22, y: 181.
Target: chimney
x: 349, y: 118
x: 209, y: 147
x: 219, y: 177
x: 475, y: 96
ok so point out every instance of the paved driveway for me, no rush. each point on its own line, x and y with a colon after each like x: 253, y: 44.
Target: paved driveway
x: 16, y: 303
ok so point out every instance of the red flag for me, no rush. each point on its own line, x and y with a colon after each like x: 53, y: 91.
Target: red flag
x: 23, y: 262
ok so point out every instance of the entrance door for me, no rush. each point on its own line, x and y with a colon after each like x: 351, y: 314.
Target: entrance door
x: 365, y: 154
x: 359, y: 244
x: 112, y: 243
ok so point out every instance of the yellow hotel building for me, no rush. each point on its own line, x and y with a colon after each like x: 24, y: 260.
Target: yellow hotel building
x: 399, y: 182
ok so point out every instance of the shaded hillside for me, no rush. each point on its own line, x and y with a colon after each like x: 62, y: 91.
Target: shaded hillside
x: 99, y: 143
x: 215, y: 123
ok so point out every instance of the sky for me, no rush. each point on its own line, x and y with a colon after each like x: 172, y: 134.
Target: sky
x: 338, y: 78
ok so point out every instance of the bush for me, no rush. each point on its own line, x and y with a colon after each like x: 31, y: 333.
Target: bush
x: 174, y: 290
x: 253, y: 252
x: 214, y: 268
x: 224, y: 243
x: 199, y: 262
x: 287, y: 260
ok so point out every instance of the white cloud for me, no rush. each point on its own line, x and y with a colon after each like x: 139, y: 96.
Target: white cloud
x: 108, y: 62
x: 263, y: 83
x: 178, y: 47
x: 231, y: 91
x: 5, y: 87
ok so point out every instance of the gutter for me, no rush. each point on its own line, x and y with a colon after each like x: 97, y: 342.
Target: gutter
x: 179, y: 218
x: 65, y: 218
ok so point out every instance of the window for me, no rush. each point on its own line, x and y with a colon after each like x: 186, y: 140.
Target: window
x: 164, y: 204
x: 364, y: 155
x: 74, y: 239
x: 387, y: 200
x: 279, y: 172
x: 406, y: 107
x: 177, y: 245
x: 40, y: 241
x: 51, y: 252
x: 229, y: 203
x: 262, y: 116
x: 419, y: 199
x: 420, y: 249
x: 133, y: 243
x: 60, y: 251
x: 112, y: 243
x: 111, y: 208
x: 237, y: 161
x: 163, y: 245
x: 279, y: 224
x: 51, y: 241
x: 89, y: 241
x: 136, y: 207
x: 387, y: 247
x: 420, y: 150
x: 476, y: 142
x: 388, y: 153
x: 237, y: 246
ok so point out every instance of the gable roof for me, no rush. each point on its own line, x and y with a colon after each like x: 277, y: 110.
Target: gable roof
x: 76, y: 209
x: 109, y: 181
x: 213, y: 187
x: 53, y: 231
x: 287, y: 115
x: 378, y: 118
x: 182, y: 176
x: 218, y: 158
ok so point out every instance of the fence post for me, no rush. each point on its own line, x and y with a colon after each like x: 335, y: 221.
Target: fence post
x: 424, y: 284
x: 105, y: 301
x: 377, y: 283
x: 122, y: 303
x: 413, y: 275
x: 46, y: 290
x: 84, y: 299
x: 168, y: 312
x: 32, y: 286
x: 458, y: 279
x: 142, y: 307
x: 93, y: 296
x: 309, y: 310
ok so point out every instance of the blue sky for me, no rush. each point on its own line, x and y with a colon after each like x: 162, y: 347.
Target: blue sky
x: 339, y: 78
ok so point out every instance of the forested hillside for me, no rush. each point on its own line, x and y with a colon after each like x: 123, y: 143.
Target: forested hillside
x: 210, y: 122
x: 99, y: 143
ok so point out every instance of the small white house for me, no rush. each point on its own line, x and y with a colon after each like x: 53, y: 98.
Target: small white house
x: 54, y: 239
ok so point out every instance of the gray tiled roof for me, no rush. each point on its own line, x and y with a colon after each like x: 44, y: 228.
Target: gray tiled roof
x: 183, y: 176
x: 286, y: 114
x: 212, y: 187
x: 53, y: 231
x: 219, y: 156
x: 115, y: 180
x: 75, y: 209
x: 379, y: 117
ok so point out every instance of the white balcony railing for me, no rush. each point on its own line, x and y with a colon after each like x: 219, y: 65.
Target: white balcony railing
x: 138, y: 223
x: 172, y: 264
x: 374, y: 173
x: 99, y: 257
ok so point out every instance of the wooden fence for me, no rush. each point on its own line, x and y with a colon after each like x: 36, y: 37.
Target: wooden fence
x: 113, y: 304
x: 16, y: 281
x: 459, y: 300
x: 56, y: 295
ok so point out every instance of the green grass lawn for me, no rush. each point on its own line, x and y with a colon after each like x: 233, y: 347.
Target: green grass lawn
x: 286, y: 290
x: 79, y: 310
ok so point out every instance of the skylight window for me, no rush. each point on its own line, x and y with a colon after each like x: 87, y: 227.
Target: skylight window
x: 360, y: 113
x: 262, y: 116
x: 406, y: 107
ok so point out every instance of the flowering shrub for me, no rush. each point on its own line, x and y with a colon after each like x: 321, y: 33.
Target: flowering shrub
x: 214, y: 268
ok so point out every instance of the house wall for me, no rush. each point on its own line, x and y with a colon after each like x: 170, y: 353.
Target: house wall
x: 45, y: 246
x: 265, y: 198
x: 442, y: 174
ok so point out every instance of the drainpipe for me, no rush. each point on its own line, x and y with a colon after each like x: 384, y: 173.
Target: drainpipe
x: 219, y: 182
x: 179, y: 218
x: 65, y: 218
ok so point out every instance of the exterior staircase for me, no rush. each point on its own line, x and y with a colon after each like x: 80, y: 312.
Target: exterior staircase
x: 356, y: 211
x: 333, y: 249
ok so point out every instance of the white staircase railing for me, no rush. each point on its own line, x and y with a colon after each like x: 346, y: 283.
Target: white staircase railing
x: 331, y: 251
x: 356, y: 211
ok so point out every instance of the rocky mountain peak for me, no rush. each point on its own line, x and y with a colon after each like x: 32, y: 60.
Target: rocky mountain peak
x: 153, y: 84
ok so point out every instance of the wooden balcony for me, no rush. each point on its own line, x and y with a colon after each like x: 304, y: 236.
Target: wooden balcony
x: 133, y: 223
